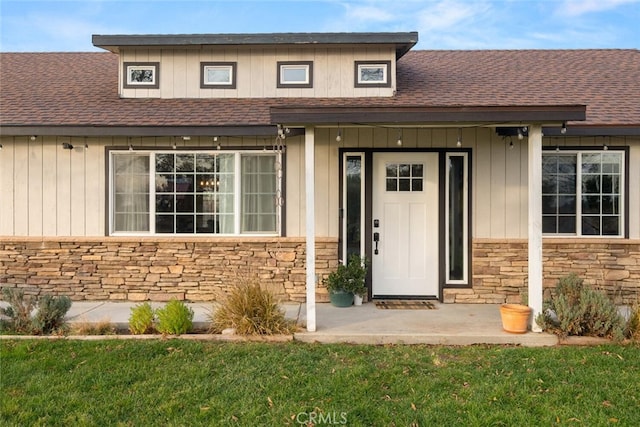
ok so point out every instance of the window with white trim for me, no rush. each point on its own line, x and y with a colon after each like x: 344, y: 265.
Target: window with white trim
x: 582, y: 193
x: 143, y: 75
x: 295, y: 74
x: 457, y: 218
x: 187, y: 192
x: 218, y: 75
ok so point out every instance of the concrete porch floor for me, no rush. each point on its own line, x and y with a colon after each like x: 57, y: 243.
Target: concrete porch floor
x: 448, y: 324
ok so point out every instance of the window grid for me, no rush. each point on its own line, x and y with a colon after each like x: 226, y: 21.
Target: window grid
x: 259, y: 188
x: 195, y: 193
x: 582, y: 193
x: 404, y: 177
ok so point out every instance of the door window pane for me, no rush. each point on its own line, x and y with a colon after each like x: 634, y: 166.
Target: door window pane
x: 404, y: 177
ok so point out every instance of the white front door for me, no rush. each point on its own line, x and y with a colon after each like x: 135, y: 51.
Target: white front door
x: 405, y: 216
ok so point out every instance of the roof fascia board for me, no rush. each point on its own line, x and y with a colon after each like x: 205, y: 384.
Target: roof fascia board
x: 573, y: 130
x: 270, y: 130
x: 403, y: 41
x: 429, y: 115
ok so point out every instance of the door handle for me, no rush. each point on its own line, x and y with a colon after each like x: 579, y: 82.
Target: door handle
x: 376, y: 239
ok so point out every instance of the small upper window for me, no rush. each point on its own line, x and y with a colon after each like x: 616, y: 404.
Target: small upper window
x: 295, y: 74
x: 372, y: 73
x: 218, y: 75
x: 142, y: 75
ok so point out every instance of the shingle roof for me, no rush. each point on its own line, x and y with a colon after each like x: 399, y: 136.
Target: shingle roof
x: 81, y: 89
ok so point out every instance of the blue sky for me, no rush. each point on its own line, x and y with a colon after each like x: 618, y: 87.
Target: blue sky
x: 37, y: 26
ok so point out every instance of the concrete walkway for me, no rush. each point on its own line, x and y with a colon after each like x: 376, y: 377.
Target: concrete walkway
x: 448, y: 324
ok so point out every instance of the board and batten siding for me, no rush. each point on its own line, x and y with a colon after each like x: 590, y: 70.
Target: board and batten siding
x: 499, y: 206
x: 333, y: 72
x: 46, y: 190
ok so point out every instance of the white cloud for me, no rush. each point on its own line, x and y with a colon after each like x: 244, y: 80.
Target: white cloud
x: 450, y: 15
x: 581, y: 7
x: 367, y: 13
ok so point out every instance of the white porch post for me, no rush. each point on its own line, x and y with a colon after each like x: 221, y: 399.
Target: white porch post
x: 309, y: 167
x: 535, y: 223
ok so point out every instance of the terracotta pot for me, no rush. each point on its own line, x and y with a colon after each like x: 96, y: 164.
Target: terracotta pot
x: 515, y: 318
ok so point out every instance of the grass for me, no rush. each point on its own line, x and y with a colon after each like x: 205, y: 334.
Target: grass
x: 180, y: 382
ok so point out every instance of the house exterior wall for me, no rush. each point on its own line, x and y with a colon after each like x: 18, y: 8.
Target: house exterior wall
x: 159, y: 269
x: 500, y: 268
x: 333, y: 71
x: 53, y: 222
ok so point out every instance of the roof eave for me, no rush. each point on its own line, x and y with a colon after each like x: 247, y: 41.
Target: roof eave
x: 403, y: 41
x: 428, y: 115
x: 134, y: 131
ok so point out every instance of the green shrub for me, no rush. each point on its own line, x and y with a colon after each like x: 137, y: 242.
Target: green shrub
x: 141, y: 319
x: 250, y: 310
x: 49, y: 313
x: 349, y: 277
x: 576, y: 309
x: 174, y: 318
x: 18, y: 312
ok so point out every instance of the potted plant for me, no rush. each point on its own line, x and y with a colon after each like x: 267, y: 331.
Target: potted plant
x: 515, y: 317
x: 347, y: 280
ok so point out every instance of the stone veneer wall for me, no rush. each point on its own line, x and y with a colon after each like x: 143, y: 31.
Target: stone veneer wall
x: 158, y: 269
x: 500, y: 268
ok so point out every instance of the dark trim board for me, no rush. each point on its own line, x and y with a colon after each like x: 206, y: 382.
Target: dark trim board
x: 394, y: 116
x: 627, y: 185
x: 442, y: 223
x: 134, y: 131
x: 403, y: 41
x: 368, y: 212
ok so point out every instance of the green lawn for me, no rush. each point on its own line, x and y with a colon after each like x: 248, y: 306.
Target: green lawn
x: 176, y: 382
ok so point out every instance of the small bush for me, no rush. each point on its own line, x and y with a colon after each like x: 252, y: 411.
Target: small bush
x: 18, y: 312
x: 633, y: 324
x: 576, y: 309
x: 174, y: 318
x: 141, y: 319
x: 49, y: 313
x: 250, y: 310
x: 349, y: 277
x: 103, y: 327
